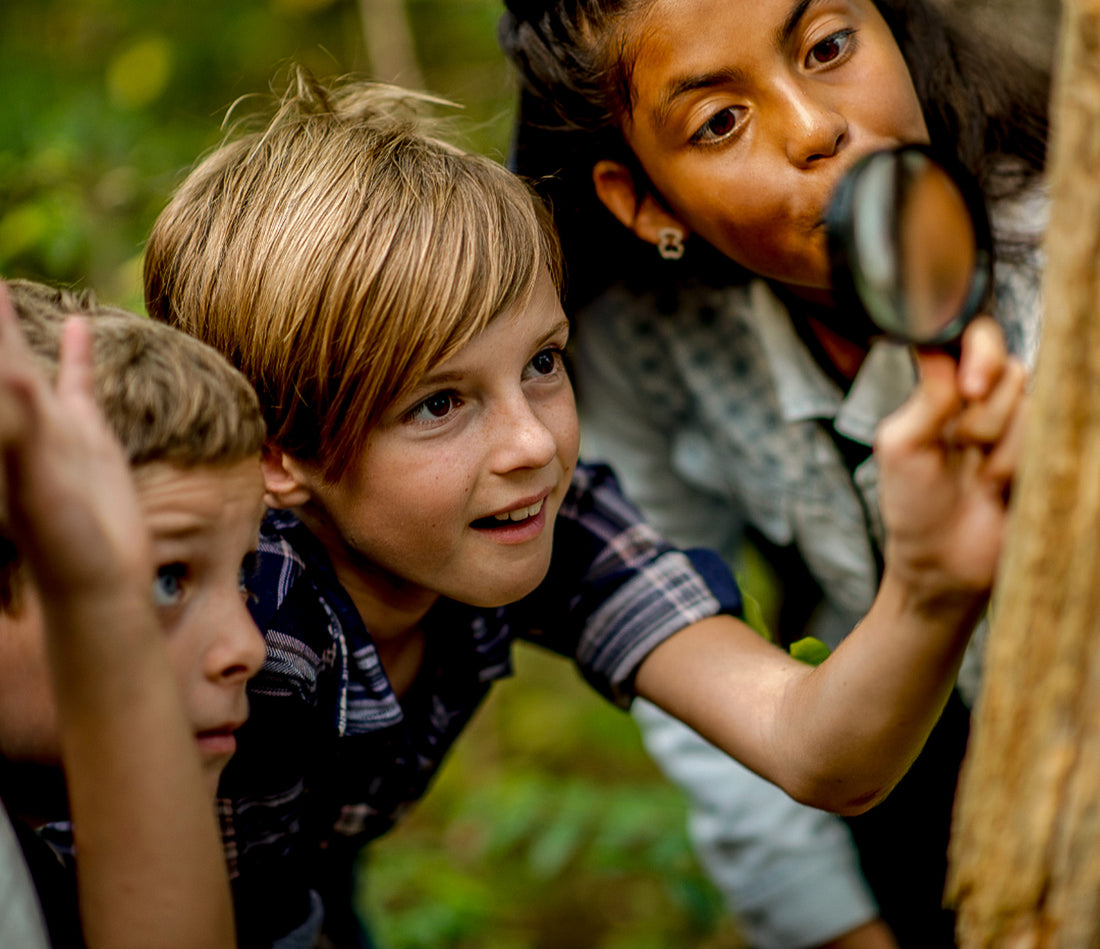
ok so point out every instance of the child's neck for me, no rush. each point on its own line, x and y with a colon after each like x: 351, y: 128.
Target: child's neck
x: 392, y: 608
x: 845, y: 355
x: 813, y: 309
x: 392, y: 612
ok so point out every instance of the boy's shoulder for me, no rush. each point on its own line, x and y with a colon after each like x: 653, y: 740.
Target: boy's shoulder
x: 603, y: 543
x: 284, y: 553
x: 296, y: 599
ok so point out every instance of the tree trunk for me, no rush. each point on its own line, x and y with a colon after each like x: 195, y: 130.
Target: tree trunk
x: 1025, y: 851
x: 389, y: 42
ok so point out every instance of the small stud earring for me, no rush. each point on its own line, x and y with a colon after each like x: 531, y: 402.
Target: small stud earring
x: 670, y: 243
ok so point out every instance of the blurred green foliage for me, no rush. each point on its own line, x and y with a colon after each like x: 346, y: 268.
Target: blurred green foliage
x: 103, y: 103
x: 549, y: 827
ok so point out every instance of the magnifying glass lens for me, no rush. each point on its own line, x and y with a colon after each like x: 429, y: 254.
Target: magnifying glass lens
x: 910, y: 246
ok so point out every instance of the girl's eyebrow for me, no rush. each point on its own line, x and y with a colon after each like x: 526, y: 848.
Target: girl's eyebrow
x: 790, y: 24
x: 683, y: 85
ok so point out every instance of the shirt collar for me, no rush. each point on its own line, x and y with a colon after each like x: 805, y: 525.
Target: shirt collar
x: 805, y: 392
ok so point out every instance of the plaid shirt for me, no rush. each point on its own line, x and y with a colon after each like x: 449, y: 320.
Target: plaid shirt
x: 330, y: 758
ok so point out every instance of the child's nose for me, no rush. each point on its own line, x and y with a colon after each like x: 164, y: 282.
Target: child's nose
x: 523, y: 439
x: 815, y: 129
x: 239, y: 649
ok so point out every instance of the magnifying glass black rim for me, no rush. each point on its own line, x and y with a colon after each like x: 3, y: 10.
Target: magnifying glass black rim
x: 840, y: 239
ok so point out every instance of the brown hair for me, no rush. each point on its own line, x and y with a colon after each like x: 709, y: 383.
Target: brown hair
x: 167, y: 397
x: 339, y: 252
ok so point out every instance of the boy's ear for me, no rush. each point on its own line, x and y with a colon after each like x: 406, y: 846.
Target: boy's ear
x: 284, y: 480
x: 646, y: 217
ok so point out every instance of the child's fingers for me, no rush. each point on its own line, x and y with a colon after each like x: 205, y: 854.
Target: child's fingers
x: 9, y: 330
x: 74, y: 372
x: 17, y: 380
x: 11, y: 337
x: 7, y: 320
x: 924, y: 416
x: 982, y: 358
x: 7, y: 311
x: 1002, y: 461
x: 983, y: 421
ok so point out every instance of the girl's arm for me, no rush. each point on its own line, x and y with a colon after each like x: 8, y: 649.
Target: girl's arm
x: 150, y: 866
x: 791, y: 873
x: 840, y: 735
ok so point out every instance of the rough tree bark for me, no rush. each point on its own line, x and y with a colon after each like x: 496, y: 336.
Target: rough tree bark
x: 1025, y: 852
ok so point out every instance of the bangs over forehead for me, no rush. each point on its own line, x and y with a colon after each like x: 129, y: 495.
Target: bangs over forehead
x: 339, y: 254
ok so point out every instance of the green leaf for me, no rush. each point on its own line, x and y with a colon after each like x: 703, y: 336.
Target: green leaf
x: 753, y: 615
x: 810, y: 650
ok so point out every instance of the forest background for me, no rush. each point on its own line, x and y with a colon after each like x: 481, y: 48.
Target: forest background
x: 548, y: 826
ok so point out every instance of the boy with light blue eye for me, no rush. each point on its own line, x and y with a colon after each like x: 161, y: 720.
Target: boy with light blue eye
x: 130, y: 497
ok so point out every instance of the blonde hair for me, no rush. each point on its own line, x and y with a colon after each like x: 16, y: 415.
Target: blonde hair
x: 167, y: 397
x: 340, y: 252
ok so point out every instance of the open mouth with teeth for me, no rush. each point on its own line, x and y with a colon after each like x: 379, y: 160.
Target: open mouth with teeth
x: 508, y: 518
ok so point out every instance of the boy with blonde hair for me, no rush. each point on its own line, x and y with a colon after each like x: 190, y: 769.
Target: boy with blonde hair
x: 131, y: 498
x: 394, y: 301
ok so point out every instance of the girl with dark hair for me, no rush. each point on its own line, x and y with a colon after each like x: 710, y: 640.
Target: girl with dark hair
x: 720, y: 378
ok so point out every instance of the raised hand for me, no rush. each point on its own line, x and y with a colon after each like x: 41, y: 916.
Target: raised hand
x: 67, y: 489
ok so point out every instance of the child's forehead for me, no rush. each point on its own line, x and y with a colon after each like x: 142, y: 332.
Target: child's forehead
x: 205, y: 499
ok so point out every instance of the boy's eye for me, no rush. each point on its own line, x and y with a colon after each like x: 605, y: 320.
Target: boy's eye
x: 830, y: 49
x: 168, y: 585
x: 546, y: 361
x: 434, y: 407
x: 718, y: 126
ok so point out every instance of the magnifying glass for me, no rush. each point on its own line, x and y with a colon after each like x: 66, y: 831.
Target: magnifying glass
x: 909, y: 245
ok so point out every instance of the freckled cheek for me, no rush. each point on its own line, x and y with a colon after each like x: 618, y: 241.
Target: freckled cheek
x: 441, y: 497
x: 566, y: 428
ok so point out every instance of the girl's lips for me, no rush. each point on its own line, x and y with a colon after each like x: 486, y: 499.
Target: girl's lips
x: 217, y: 742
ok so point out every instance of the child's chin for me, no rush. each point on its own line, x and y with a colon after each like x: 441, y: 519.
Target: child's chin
x: 502, y: 594
x: 212, y: 774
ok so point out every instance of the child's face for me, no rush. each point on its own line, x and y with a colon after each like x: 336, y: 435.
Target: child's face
x: 748, y: 112
x: 456, y: 490
x: 204, y: 523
